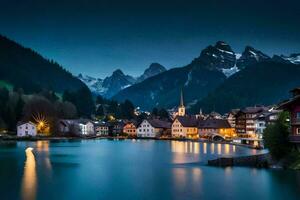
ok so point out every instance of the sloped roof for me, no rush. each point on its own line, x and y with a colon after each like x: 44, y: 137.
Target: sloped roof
x: 214, y: 123
x: 20, y: 123
x: 72, y: 121
x: 157, y: 123
x: 286, y: 104
x: 251, y: 110
x: 187, y: 121
x: 101, y: 124
x: 266, y: 114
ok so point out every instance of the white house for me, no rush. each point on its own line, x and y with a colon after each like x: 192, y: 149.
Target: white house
x: 76, y: 126
x: 26, y: 129
x: 263, y: 120
x: 152, y: 128
x: 86, y: 128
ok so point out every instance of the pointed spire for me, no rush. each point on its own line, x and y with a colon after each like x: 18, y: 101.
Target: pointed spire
x: 181, y: 99
x: 200, y: 111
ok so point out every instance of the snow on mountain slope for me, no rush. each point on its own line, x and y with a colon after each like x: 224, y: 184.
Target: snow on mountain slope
x: 293, y: 58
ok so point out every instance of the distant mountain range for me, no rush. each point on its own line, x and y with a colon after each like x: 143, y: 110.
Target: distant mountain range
x: 212, y: 73
x: 23, y: 68
x: 218, y: 79
x: 263, y: 83
x: 118, y: 81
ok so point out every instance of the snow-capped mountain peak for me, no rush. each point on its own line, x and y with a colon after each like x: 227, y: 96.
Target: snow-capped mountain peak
x: 111, y: 85
x: 251, y: 56
x: 293, y: 58
x: 94, y: 84
x: 218, y: 57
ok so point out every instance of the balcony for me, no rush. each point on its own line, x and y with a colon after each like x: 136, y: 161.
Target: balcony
x: 294, y: 138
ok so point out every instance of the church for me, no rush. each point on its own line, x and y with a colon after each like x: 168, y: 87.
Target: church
x: 184, y: 126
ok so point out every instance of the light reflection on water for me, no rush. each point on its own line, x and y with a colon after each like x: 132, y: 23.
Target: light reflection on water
x: 195, y: 148
x: 180, y: 167
x: 29, y: 181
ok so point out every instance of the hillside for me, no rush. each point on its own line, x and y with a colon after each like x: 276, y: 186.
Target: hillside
x: 24, y: 68
x: 163, y: 89
x: 262, y: 83
x: 197, y: 79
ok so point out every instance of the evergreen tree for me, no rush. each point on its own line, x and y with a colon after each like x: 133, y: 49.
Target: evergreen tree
x: 19, y: 108
x: 83, y: 101
x: 276, y: 137
x: 127, y: 110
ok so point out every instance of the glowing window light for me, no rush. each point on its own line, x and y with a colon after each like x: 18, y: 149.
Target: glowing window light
x: 42, y: 123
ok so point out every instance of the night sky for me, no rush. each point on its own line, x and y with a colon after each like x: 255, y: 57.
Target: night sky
x: 95, y: 37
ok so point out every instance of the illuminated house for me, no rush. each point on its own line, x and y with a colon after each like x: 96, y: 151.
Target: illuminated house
x: 86, y: 128
x: 262, y: 120
x: 293, y: 107
x: 26, y: 129
x: 129, y: 129
x: 101, y: 129
x: 245, y: 120
x: 185, y: 127
x: 231, y: 117
x: 152, y: 128
x: 77, y: 127
x: 215, y: 128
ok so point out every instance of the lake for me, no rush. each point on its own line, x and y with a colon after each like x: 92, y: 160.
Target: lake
x: 135, y: 169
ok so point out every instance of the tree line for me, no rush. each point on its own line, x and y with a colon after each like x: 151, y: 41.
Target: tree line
x: 17, y: 106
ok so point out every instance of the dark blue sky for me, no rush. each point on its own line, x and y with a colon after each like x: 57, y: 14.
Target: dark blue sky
x: 95, y: 37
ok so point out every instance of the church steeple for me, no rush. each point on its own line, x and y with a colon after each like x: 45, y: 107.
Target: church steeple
x: 181, y: 108
x: 181, y: 99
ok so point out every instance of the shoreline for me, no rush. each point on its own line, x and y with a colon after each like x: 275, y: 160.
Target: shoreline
x: 57, y: 138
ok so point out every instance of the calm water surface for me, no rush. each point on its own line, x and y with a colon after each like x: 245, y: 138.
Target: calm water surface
x: 135, y: 169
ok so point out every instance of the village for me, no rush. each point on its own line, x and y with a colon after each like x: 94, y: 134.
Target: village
x: 240, y: 126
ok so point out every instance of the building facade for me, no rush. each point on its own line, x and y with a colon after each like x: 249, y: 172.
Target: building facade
x: 231, y: 117
x: 216, y: 128
x: 185, y: 127
x: 130, y: 129
x: 102, y: 129
x: 76, y: 127
x: 152, y: 128
x: 26, y: 129
x: 86, y: 128
x: 293, y: 107
x: 245, y: 121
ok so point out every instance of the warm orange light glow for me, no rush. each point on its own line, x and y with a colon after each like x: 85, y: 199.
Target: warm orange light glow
x: 227, y: 149
x: 29, y: 176
x: 204, y: 148
x: 42, y: 123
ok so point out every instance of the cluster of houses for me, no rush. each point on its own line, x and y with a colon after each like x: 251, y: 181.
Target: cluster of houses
x: 240, y: 125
